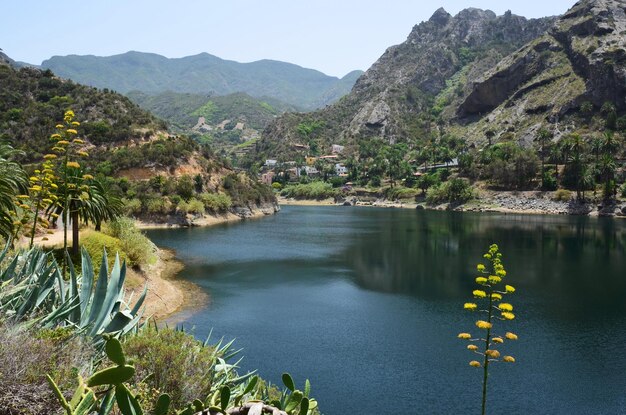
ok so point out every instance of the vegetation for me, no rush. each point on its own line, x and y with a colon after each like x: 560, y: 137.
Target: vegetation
x: 493, y: 308
x: 316, y: 190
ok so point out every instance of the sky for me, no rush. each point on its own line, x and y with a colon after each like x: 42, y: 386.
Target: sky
x: 333, y: 36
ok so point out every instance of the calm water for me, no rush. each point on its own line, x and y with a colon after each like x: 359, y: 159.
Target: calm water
x: 367, y: 303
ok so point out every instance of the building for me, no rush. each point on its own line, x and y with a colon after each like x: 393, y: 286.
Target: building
x: 340, y: 169
x: 270, y: 163
x: 309, y: 170
x: 310, y: 160
x: 267, y: 178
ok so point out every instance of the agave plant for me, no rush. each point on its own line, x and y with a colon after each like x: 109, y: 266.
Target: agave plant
x: 33, y: 292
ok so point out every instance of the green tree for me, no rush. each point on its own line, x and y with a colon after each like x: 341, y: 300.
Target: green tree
x: 12, y: 182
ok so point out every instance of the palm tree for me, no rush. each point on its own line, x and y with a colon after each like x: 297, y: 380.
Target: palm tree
x: 13, y: 181
x: 103, y: 205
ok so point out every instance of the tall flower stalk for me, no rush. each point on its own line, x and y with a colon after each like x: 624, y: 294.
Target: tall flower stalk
x: 72, y: 189
x: 41, y: 194
x: 490, y: 295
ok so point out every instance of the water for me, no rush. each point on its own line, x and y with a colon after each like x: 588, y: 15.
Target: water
x: 367, y: 303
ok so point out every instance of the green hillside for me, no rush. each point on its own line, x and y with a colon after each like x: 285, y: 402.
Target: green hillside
x: 203, y: 73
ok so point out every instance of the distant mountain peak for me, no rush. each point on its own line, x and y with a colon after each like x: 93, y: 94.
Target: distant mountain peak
x: 440, y: 17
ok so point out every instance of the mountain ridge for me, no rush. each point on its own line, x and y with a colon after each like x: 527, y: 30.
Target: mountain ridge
x: 201, y: 73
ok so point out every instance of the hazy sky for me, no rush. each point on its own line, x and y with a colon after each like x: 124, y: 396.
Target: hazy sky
x: 334, y: 36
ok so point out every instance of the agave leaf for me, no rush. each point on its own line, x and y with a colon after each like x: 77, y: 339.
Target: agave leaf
x: 86, y: 281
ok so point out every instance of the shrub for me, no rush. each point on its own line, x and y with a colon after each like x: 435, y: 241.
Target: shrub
x: 177, y: 363
x: 192, y: 206
x: 158, y: 205
x: 456, y: 190
x: 216, y: 202
x: 562, y: 195
x: 315, y: 190
x: 397, y: 193
x: 549, y: 180
x: 95, y: 242
x: 277, y: 186
x: 26, y: 355
x: 185, y: 187
x: 622, y: 190
x: 132, y: 206
x: 137, y: 248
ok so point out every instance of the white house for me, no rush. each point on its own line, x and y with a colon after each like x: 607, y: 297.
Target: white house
x: 340, y: 169
x: 270, y: 163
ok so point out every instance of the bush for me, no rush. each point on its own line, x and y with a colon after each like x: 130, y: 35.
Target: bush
x: 132, y: 206
x: 456, y: 190
x: 562, y: 195
x: 177, y: 363
x: 95, y: 242
x: 136, y: 247
x: 622, y: 190
x: 549, y: 180
x: 192, y: 206
x: 277, y: 186
x: 397, y: 193
x: 26, y: 355
x: 315, y: 190
x: 216, y: 202
x: 158, y: 205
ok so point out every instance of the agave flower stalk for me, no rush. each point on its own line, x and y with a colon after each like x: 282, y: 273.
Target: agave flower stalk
x: 491, y: 295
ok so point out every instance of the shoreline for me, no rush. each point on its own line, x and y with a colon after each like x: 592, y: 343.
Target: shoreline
x: 523, y: 203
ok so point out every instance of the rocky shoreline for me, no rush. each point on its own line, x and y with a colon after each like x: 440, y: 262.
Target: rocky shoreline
x: 201, y: 220
x: 532, y: 202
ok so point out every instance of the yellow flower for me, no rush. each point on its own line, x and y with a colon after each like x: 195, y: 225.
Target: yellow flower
x: 509, y: 359
x: 479, y: 293
x: 49, y: 232
x: 470, y: 306
x: 48, y: 201
x: 501, y: 273
x: 23, y: 197
x: 35, y: 188
x: 73, y: 164
x: 481, y: 280
x: 50, y: 156
x: 494, y: 279
x: 83, y: 153
x: 474, y: 363
x: 72, y: 131
x: 509, y: 289
x: 44, y: 239
x: 60, y: 126
x: 511, y: 336
x: 69, y: 113
x: 75, y: 123
x: 63, y: 142
x: 55, y: 136
x: 54, y: 215
x: 483, y: 324
x: 498, y: 340
x: 464, y: 336
x: 87, y: 177
x: 508, y: 316
x: 480, y: 267
x: 505, y: 307
x: 494, y: 354
x: 496, y: 296
x: 472, y: 347
x: 78, y: 141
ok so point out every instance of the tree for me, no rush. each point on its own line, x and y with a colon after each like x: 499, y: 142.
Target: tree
x: 543, y: 136
x: 12, y: 182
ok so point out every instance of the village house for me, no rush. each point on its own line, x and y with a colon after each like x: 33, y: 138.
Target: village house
x: 341, y: 170
x: 271, y: 163
x: 267, y: 178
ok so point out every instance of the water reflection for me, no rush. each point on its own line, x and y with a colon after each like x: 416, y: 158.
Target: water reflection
x: 579, y: 261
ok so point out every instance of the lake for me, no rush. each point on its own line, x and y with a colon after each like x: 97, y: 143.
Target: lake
x: 367, y: 304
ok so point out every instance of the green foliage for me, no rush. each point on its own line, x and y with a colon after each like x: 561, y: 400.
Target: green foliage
x: 138, y: 249
x: 562, y: 195
x: 400, y: 193
x: 509, y: 166
x: 13, y: 181
x: 456, y: 190
x: 316, y: 190
x: 549, y: 181
x: 193, y: 205
x: 216, y: 202
x: 95, y: 243
x: 185, y: 187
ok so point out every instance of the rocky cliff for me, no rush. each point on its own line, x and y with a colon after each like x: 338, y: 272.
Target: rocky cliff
x: 475, y: 74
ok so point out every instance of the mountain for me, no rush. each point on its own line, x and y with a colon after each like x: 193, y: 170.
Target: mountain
x: 183, y: 110
x: 205, y: 74
x: 394, y: 98
x: 475, y: 75
x: 127, y: 147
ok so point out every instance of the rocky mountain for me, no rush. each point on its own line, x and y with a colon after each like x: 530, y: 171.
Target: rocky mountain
x: 204, y: 73
x: 474, y: 74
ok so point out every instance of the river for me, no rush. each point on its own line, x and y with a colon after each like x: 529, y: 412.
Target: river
x: 367, y: 304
